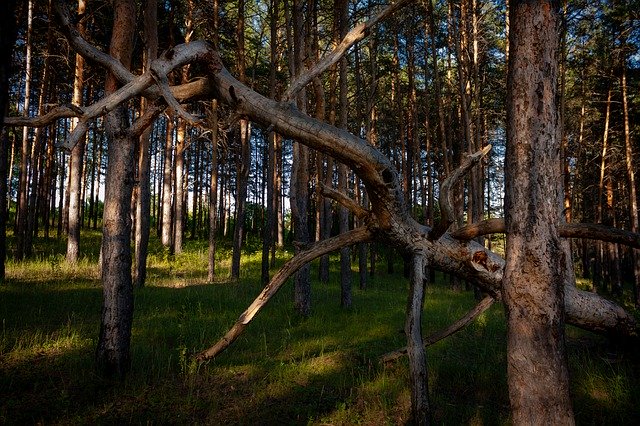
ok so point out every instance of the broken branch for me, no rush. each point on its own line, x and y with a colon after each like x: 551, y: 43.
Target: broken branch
x: 447, y: 214
x: 356, y: 34
x: 344, y: 200
x: 446, y: 332
x: 318, y: 249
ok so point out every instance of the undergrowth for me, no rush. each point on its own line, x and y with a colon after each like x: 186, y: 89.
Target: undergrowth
x: 284, y: 369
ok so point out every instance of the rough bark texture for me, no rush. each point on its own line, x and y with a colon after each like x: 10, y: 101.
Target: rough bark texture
x: 417, y: 355
x: 113, y: 351
x: 535, y: 270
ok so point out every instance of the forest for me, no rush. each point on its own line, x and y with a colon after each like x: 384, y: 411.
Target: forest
x: 434, y: 203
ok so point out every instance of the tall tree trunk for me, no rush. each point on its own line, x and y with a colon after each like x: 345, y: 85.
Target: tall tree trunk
x: 268, y: 231
x: 113, y: 351
x: 213, y: 193
x: 167, y: 193
x: 300, y: 172
x: 342, y: 8
x: 23, y: 240
x: 75, y: 160
x: 178, y: 200
x: 633, y: 196
x: 536, y: 265
x: 143, y: 207
x: 7, y: 42
x: 244, y: 157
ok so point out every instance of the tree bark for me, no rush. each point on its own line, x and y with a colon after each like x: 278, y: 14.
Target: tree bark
x: 418, y: 376
x: 143, y: 207
x: 75, y: 160
x: 535, y: 270
x: 113, y: 351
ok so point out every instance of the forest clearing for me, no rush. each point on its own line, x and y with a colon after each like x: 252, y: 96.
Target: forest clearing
x: 286, y: 369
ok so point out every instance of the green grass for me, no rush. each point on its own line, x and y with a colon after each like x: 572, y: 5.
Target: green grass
x: 284, y: 370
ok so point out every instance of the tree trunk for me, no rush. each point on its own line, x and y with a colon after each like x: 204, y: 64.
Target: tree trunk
x: 213, y: 193
x: 75, y: 160
x: 167, y: 194
x: 113, y: 351
x: 343, y: 213
x: 143, y: 207
x: 23, y: 240
x: 300, y: 173
x: 633, y: 197
x: 418, y: 376
x: 536, y: 266
x: 243, y: 162
x: 7, y: 42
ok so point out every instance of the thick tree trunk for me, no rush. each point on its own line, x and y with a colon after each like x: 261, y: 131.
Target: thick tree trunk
x: 300, y: 173
x: 113, y: 351
x: 536, y: 266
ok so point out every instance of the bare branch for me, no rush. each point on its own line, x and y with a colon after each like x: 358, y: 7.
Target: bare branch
x: 318, y: 249
x: 589, y: 231
x: 61, y: 111
x: 484, y: 227
x: 474, y: 313
x: 600, y: 232
x: 447, y: 214
x: 141, y: 124
x: 356, y: 34
x: 163, y: 84
x: 344, y: 200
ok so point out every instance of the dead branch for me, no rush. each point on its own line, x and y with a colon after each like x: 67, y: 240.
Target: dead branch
x: 356, y: 34
x: 588, y: 231
x: 469, y: 317
x: 318, y: 249
x: 447, y: 213
x: 61, y: 111
x: 344, y: 200
x: 484, y: 227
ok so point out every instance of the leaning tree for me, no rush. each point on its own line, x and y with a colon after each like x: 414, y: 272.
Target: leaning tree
x: 388, y: 219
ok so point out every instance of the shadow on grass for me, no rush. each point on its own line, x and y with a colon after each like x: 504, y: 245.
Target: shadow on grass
x: 283, y: 370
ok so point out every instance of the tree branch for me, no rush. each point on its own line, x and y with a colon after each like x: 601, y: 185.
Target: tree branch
x: 447, y: 214
x: 318, y: 249
x: 344, y: 200
x: 589, y: 231
x: 61, y: 111
x: 446, y: 332
x: 356, y: 34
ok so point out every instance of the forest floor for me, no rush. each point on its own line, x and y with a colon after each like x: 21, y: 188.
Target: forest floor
x: 285, y: 369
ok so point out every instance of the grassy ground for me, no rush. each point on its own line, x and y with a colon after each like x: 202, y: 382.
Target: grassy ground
x: 283, y: 370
